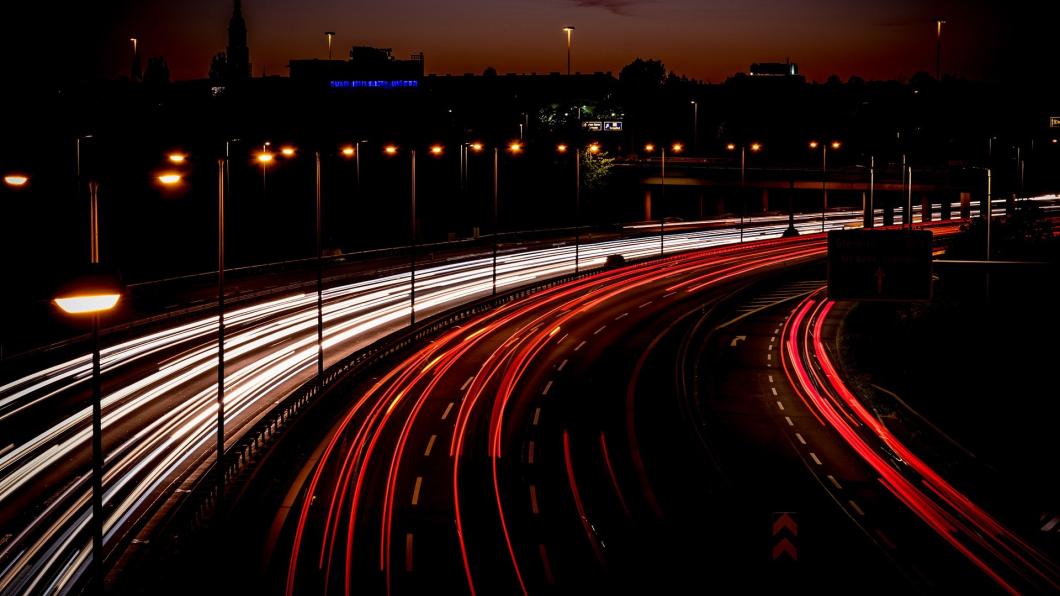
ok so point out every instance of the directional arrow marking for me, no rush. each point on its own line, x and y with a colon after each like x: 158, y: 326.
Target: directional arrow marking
x: 785, y: 521
x: 785, y: 547
x: 737, y: 340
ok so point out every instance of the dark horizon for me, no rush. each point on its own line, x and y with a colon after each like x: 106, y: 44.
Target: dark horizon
x: 981, y: 40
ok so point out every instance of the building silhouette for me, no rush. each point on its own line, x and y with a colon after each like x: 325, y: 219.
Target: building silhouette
x: 237, y: 54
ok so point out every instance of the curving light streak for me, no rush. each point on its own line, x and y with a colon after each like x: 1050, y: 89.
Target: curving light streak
x: 164, y: 414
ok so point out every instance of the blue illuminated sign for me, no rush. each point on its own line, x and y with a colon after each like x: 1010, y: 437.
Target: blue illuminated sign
x: 382, y: 84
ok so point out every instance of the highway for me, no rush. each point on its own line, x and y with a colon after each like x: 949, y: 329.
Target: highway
x: 159, y: 395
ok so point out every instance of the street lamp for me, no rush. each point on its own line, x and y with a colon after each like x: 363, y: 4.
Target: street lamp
x: 16, y: 180
x: 755, y: 148
x: 568, y: 29
x: 93, y: 293
x: 330, y: 35
x: 176, y: 157
x: 562, y: 149
x: 938, y: 48
x: 675, y: 148
x: 695, y: 126
x: 391, y: 151
x: 170, y: 178
x: 835, y: 145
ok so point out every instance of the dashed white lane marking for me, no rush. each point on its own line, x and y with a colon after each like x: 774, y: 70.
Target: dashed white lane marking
x: 533, y: 499
x: 448, y: 409
x: 668, y: 294
x: 602, y: 327
x: 416, y: 490
x: 547, y: 387
x: 772, y: 339
x: 780, y: 405
x: 769, y: 356
x: 790, y: 422
x: 815, y: 459
x: 530, y: 453
x: 408, y: 552
x: 834, y: 482
x: 467, y: 382
x: 855, y: 507
x: 770, y: 347
x: 562, y: 364
x: 622, y: 316
x: 770, y: 378
x: 580, y: 345
x: 430, y: 445
x: 645, y: 304
x: 799, y: 437
x: 537, y: 415
x: 560, y: 340
x: 774, y: 390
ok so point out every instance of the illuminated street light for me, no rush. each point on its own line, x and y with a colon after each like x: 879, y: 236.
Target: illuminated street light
x: 756, y: 147
x: 515, y: 147
x: 477, y: 147
x: 18, y: 180
x: 176, y: 157
x: 436, y: 150
x: 677, y: 148
x: 169, y: 178
x: 348, y: 152
x: 87, y: 304
x: 390, y: 150
x: 287, y: 151
x: 265, y: 158
x: 835, y: 145
x: 594, y: 148
x: 649, y: 148
x: 561, y: 148
x: 813, y: 144
x: 730, y: 147
x: 568, y: 29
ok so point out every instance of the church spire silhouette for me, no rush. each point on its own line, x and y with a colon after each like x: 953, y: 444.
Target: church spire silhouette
x: 238, y: 54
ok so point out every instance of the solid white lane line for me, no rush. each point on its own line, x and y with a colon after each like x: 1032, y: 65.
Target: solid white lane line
x: 602, y: 327
x: 547, y: 387
x: 780, y: 405
x: 815, y: 459
x: 533, y: 499
x: 448, y: 409
x: 537, y: 415
x: 562, y: 364
x: 790, y: 422
x: 530, y: 453
x: 467, y: 382
x: 580, y: 345
x: 855, y: 507
x: 416, y: 490
x: 799, y: 437
x: 622, y: 316
x: 430, y: 445
x: 835, y: 482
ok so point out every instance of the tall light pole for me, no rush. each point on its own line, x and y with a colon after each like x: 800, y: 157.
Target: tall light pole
x: 136, y: 73
x: 330, y: 35
x: 938, y: 48
x: 755, y: 148
x: 676, y: 148
x: 695, y: 126
x: 568, y: 29
x: 835, y: 145
x: 93, y: 294
x: 320, y: 274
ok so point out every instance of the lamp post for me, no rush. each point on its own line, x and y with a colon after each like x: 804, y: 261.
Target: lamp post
x: 938, y: 48
x: 568, y: 29
x: 93, y: 294
x: 835, y: 145
x: 561, y: 149
x: 330, y: 35
x: 676, y: 148
x: 695, y: 126
x: 755, y: 148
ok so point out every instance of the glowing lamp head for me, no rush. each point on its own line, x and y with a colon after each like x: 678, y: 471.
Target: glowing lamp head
x: 169, y: 178
x: 836, y: 145
x: 677, y: 148
x: 476, y: 147
x: 390, y: 150
x: 287, y: 151
x: 177, y: 157
x: 814, y: 144
x: 730, y: 147
x: 756, y: 147
x: 348, y: 152
x: 94, y: 290
x: 16, y: 180
x: 265, y: 157
x: 1054, y: 141
x: 594, y: 148
x: 561, y: 148
x: 515, y: 147
x: 436, y: 150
